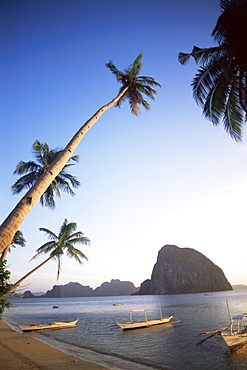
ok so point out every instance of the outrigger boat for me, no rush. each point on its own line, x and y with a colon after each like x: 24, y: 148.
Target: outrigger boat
x: 50, y: 326
x: 129, y: 325
x: 235, y: 334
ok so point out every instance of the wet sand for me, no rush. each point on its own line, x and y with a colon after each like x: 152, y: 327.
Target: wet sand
x: 19, y: 351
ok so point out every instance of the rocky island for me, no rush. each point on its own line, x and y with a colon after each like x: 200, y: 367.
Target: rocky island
x: 184, y: 270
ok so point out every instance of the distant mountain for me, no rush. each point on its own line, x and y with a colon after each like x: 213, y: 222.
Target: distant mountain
x: 114, y: 288
x: 28, y: 294
x: 38, y: 293
x: 184, y: 270
x: 239, y: 286
x: 69, y: 290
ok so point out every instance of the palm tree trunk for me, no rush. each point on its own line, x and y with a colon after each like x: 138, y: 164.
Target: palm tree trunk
x: 15, y: 285
x: 19, y: 213
x: 4, y: 254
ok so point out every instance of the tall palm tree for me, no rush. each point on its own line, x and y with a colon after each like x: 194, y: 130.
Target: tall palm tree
x: 220, y: 85
x: 32, y: 170
x: 133, y: 87
x: 18, y: 240
x: 58, y: 245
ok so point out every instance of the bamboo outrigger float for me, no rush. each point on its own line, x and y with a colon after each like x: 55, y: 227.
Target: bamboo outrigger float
x: 50, y: 326
x: 129, y: 325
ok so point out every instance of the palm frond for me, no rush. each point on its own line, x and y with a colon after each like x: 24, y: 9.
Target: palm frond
x: 24, y: 167
x: 145, y: 104
x: 114, y: 70
x: 135, y: 68
x: 205, y: 55
x: 67, y: 229
x: 18, y: 240
x: 67, y: 180
x: 204, y: 80
x: 224, y: 4
x: 243, y: 90
x: 75, y: 239
x: 47, y: 199
x: 25, y: 182
x: 45, y: 248
x: 214, y: 105
x: 50, y: 234
x: 74, y: 158
x: 148, y: 81
x: 233, y: 115
x: 75, y: 253
x: 183, y: 58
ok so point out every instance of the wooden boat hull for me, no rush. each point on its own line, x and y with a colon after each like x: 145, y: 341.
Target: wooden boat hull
x: 50, y: 326
x: 234, y: 340
x: 144, y: 324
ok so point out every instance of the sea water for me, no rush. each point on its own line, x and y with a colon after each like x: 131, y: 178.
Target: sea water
x: 97, y: 338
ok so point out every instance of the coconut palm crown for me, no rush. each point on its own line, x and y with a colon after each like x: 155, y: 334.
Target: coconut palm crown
x: 220, y: 85
x: 33, y: 170
x: 136, y: 85
x: 65, y: 241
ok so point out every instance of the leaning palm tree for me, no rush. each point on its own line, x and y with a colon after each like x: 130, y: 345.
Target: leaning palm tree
x: 58, y: 245
x: 32, y: 170
x: 18, y: 240
x: 220, y: 85
x: 133, y: 87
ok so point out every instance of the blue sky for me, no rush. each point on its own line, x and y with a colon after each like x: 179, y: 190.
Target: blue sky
x: 166, y: 177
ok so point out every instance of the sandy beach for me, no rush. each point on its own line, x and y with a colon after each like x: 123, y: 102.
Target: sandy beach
x: 22, y: 352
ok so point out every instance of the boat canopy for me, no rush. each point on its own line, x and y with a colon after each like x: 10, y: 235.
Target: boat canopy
x: 239, y: 317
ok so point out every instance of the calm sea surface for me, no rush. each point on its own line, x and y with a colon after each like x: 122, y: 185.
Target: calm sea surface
x: 96, y: 337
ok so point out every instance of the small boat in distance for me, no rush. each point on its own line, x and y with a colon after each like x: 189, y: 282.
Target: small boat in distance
x: 50, y: 326
x: 129, y: 325
x: 117, y: 304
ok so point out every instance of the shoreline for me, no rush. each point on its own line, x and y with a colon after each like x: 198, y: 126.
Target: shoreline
x: 29, y: 350
x: 22, y: 351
